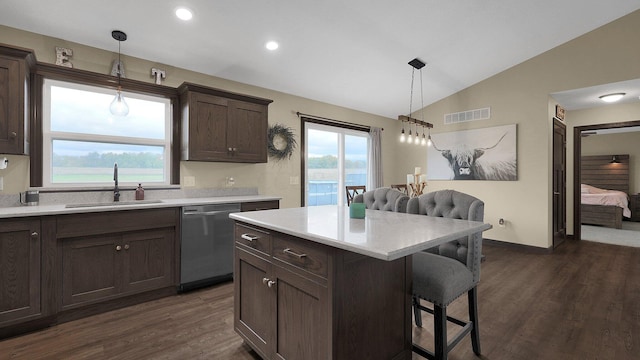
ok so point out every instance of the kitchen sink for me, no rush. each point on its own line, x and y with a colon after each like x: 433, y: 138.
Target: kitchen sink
x: 119, y: 203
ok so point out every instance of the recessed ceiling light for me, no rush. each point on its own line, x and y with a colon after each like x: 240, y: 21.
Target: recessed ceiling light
x: 272, y: 45
x: 612, y: 97
x: 184, y: 14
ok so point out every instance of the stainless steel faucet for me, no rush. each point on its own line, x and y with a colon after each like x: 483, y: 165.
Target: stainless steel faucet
x: 116, y: 191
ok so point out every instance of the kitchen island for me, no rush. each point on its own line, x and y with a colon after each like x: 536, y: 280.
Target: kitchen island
x: 312, y: 283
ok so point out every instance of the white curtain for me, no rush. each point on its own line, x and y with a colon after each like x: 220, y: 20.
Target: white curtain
x: 375, y: 179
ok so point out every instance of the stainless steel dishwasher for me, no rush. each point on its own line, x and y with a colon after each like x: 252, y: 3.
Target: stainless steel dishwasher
x: 206, y: 254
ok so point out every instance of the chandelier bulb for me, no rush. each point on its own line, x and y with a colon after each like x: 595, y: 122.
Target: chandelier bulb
x: 429, y: 140
x: 403, y: 137
x: 118, y: 106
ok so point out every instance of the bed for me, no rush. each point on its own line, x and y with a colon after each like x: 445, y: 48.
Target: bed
x: 604, y: 190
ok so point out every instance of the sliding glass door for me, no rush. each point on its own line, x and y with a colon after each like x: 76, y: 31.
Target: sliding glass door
x: 334, y: 158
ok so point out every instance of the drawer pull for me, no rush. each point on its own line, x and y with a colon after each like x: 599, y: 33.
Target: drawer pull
x: 289, y: 252
x: 118, y: 248
x: 249, y: 237
x: 268, y: 282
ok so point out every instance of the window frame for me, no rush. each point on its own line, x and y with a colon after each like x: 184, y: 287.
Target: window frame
x: 54, y: 72
x: 48, y: 136
x: 346, y: 128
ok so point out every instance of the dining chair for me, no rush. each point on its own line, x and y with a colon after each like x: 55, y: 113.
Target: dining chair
x: 383, y: 198
x: 444, y: 273
x: 353, y: 191
x: 401, y: 187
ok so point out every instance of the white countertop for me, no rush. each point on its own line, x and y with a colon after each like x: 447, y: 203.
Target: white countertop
x: 42, y: 210
x: 383, y: 235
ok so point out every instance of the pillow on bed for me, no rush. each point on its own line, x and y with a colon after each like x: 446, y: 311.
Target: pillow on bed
x: 588, y: 189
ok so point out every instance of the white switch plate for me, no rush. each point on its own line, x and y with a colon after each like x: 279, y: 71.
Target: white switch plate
x: 189, y: 181
x: 294, y: 180
x: 1, y: 183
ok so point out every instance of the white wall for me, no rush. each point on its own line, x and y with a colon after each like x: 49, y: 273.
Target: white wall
x: 520, y: 95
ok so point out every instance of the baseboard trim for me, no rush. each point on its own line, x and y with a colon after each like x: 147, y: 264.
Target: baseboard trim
x: 521, y: 247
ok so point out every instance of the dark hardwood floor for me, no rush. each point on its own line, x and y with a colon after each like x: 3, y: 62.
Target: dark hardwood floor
x: 580, y: 302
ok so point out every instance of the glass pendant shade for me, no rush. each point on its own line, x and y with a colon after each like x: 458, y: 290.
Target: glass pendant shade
x: 119, y: 106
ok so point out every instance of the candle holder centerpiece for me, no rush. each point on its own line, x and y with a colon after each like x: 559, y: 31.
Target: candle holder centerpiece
x: 417, y: 182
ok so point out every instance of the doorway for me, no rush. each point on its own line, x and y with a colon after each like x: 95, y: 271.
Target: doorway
x: 578, y: 133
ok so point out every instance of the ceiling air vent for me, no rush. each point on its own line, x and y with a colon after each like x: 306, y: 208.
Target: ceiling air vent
x: 470, y: 115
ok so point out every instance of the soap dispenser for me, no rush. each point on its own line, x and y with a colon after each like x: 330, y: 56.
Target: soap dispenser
x: 139, y: 192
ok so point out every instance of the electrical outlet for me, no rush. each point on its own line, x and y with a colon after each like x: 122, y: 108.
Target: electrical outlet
x: 230, y: 181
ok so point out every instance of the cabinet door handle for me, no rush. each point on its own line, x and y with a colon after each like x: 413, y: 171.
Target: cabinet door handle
x: 235, y: 149
x: 13, y: 135
x: 34, y: 234
x: 230, y: 149
x: 265, y: 281
x: 249, y: 237
x: 126, y: 246
x: 289, y: 252
x: 270, y: 283
x: 118, y: 248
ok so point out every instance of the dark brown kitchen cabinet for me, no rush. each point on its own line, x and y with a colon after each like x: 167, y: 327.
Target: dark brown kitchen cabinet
x: 15, y: 71
x: 222, y: 126
x: 20, y: 275
x: 281, y: 299
x: 110, y: 255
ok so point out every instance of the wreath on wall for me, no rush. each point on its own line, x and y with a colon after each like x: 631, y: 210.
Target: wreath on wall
x: 281, y: 142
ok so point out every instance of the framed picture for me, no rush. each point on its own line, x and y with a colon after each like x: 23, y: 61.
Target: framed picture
x: 479, y: 154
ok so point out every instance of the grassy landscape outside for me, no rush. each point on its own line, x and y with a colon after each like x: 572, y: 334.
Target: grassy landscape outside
x: 105, y: 175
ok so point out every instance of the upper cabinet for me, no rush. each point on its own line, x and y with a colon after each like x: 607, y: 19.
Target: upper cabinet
x: 222, y: 126
x: 15, y: 69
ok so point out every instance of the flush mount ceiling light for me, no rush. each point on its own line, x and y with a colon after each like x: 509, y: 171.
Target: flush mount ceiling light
x: 272, y: 45
x: 416, y: 64
x: 612, y: 97
x: 118, y: 106
x: 184, y: 14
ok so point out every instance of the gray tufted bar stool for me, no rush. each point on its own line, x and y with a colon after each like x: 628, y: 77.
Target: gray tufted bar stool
x: 383, y: 198
x: 444, y: 273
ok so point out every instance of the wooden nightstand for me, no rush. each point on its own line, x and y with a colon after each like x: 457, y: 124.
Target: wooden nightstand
x: 634, y: 206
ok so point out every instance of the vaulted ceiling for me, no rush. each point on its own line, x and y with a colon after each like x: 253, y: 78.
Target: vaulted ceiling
x: 349, y: 53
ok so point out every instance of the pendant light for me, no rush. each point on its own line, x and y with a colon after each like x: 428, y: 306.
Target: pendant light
x: 417, y: 64
x: 119, y: 106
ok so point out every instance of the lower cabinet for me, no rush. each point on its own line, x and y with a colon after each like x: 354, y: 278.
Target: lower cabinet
x: 99, y: 267
x: 281, y: 297
x: 20, y: 285
x: 298, y: 299
x: 99, y: 261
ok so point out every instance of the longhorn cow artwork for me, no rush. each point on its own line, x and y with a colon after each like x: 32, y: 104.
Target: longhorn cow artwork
x: 480, y: 154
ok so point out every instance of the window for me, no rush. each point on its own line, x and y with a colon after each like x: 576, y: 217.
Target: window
x: 82, y: 140
x: 334, y: 158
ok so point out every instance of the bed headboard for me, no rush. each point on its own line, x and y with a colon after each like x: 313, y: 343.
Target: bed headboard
x: 598, y: 171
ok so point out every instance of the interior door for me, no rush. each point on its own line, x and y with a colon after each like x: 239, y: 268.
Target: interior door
x: 559, y: 183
